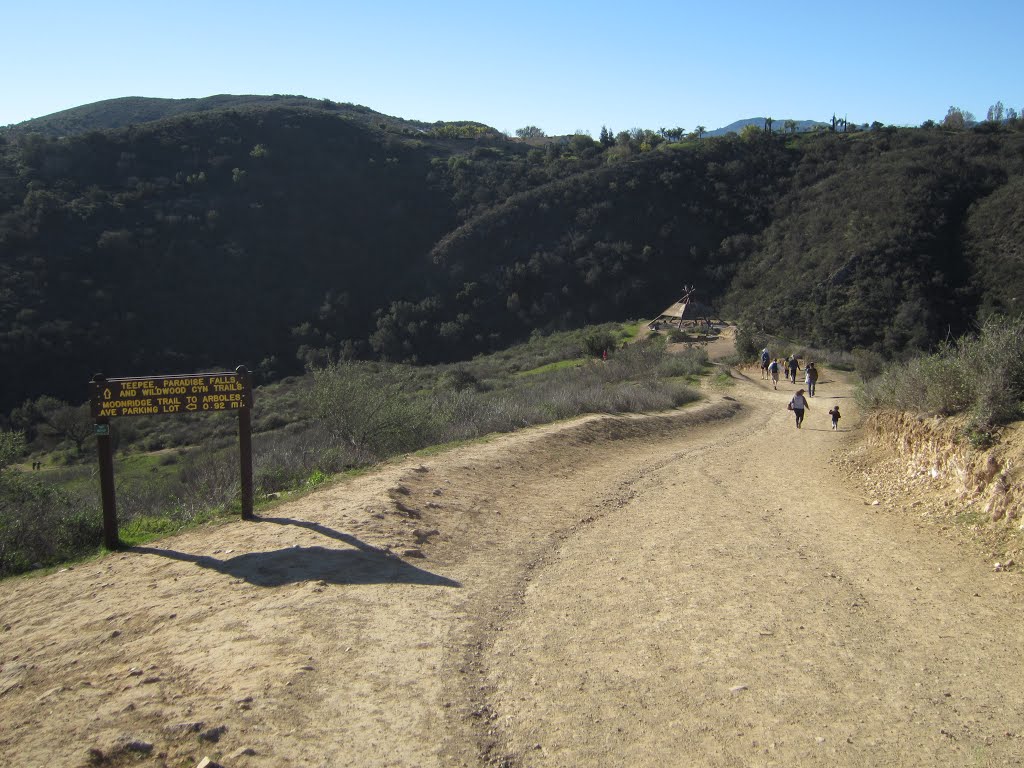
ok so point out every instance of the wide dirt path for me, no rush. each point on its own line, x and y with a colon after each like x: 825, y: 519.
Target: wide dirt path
x: 695, y: 588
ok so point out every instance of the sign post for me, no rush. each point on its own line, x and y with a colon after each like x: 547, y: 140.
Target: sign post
x: 153, y: 395
x: 245, y: 445
x: 105, y: 452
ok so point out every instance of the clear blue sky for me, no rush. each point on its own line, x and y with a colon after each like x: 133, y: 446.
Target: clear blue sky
x: 563, y: 66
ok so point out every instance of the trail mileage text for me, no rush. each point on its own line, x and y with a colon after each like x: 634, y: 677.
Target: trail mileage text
x: 169, y: 394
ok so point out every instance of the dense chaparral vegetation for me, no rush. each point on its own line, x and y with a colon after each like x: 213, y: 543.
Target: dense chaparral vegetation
x: 281, y: 231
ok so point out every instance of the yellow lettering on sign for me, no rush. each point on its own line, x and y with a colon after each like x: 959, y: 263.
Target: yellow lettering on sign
x: 129, y: 397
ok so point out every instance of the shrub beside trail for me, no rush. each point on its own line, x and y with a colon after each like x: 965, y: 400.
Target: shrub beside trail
x: 981, y: 375
x: 354, y: 414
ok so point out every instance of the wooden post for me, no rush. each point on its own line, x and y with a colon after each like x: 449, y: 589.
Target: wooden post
x: 105, y: 452
x: 245, y: 444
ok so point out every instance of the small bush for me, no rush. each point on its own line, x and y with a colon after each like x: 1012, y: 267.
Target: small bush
x: 372, y: 408
x: 12, y: 447
x: 41, y: 525
x: 154, y: 443
x: 316, y: 477
x: 933, y: 384
x: 749, y: 343
x: 868, y: 364
x: 945, y: 385
x: 597, y: 342
x: 270, y: 422
x: 995, y: 365
x: 458, y: 378
x: 982, y: 374
x: 690, y: 363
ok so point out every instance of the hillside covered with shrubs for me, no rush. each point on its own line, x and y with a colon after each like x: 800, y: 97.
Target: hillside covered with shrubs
x: 288, y: 233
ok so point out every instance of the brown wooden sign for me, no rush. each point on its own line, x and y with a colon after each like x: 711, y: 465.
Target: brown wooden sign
x: 192, y: 393
x: 225, y: 392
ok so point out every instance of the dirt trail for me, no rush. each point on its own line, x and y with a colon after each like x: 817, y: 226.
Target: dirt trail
x: 694, y: 588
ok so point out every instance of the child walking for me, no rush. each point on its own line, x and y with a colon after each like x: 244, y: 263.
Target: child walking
x: 834, y: 413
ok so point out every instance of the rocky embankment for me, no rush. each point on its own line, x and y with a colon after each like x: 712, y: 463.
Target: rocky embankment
x: 930, y: 466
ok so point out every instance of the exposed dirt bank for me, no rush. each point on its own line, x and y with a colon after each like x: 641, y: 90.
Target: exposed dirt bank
x: 930, y: 469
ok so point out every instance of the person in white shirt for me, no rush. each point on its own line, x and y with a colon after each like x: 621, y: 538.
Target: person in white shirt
x: 797, y: 405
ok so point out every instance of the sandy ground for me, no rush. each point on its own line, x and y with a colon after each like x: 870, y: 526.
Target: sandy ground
x: 705, y: 587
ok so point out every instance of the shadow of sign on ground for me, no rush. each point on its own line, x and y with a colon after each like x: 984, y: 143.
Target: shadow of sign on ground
x: 358, y: 563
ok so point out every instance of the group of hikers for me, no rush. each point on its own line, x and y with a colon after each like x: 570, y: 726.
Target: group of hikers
x: 790, y: 366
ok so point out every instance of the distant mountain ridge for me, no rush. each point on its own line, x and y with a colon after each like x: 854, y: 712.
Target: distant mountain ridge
x: 113, y: 114
x: 777, y: 125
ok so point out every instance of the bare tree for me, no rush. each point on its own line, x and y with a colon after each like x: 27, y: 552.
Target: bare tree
x: 71, y: 423
x: 996, y: 113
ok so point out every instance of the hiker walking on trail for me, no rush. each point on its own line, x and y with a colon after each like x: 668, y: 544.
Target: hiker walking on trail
x: 773, y: 371
x: 797, y: 405
x: 765, y: 359
x: 810, y: 378
x: 834, y: 413
x: 793, y: 365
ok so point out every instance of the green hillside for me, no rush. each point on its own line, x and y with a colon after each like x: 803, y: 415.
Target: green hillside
x: 282, y: 232
x: 885, y: 241
x: 111, y: 114
x: 615, y: 241
x: 888, y: 240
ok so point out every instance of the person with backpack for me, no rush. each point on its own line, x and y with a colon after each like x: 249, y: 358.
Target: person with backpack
x: 773, y: 372
x: 798, y: 405
x: 793, y: 365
